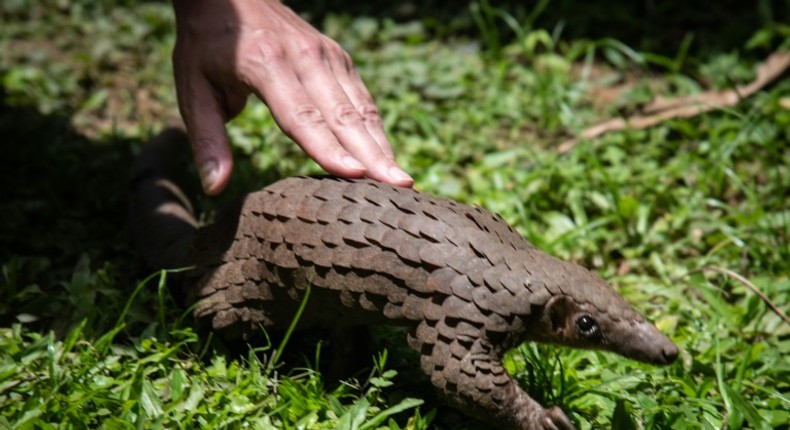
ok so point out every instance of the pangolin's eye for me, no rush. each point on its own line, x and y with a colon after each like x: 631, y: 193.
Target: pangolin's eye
x: 587, y: 326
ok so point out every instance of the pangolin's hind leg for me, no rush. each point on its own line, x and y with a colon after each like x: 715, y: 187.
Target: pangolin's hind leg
x: 470, y: 376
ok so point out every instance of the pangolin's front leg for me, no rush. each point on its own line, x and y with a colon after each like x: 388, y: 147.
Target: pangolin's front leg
x: 468, y: 373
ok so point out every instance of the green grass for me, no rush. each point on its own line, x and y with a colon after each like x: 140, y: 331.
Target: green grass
x: 476, y: 101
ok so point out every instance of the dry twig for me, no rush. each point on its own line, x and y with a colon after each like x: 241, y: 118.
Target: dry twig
x: 747, y: 284
x: 663, y: 109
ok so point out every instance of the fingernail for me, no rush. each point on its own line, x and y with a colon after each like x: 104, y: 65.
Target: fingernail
x: 208, y: 174
x: 398, y: 175
x: 352, y: 163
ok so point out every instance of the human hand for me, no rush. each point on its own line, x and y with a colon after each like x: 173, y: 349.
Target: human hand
x: 227, y: 49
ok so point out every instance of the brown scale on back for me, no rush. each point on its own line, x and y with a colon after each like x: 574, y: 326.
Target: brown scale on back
x: 467, y: 285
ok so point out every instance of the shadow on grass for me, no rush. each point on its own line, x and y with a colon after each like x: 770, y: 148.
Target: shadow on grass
x: 65, y: 246
x: 63, y: 206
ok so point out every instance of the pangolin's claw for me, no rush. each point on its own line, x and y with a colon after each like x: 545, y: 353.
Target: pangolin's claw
x: 555, y: 419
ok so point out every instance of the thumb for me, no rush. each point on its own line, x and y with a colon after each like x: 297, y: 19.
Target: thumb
x: 204, y: 114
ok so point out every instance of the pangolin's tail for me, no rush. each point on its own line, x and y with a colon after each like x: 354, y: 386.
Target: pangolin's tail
x: 161, y: 217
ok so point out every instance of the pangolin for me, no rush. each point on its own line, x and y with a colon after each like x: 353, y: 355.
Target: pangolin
x: 466, y: 285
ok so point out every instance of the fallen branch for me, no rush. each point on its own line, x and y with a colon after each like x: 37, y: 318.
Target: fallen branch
x: 747, y: 284
x: 663, y: 109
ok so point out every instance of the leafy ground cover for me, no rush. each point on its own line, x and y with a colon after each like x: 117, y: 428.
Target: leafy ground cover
x: 477, y: 98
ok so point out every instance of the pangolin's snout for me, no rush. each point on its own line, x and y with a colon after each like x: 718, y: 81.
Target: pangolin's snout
x: 644, y: 342
x: 658, y: 348
x: 670, y: 352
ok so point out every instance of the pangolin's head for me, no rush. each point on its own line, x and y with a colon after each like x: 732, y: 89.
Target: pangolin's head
x: 585, y: 312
